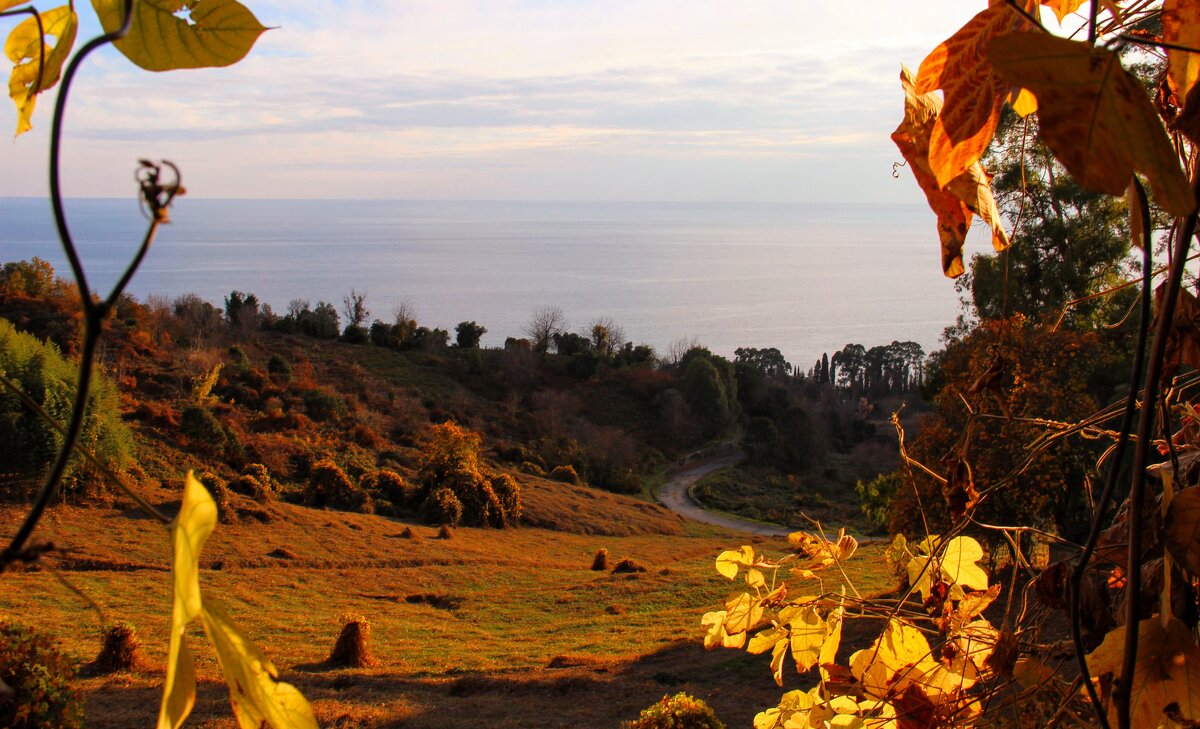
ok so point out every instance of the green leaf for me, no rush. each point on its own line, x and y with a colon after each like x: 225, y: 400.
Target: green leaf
x: 258, y: 697
x: 25, y: 46
x: 195, y: 522
x: 214, y: 33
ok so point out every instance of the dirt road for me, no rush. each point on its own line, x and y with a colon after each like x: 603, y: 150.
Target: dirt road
x: 674, y: 495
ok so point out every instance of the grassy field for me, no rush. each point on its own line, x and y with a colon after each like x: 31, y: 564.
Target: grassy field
x: 490, y: 628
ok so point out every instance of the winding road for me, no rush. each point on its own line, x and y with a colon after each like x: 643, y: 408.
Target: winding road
x: 674, y: 495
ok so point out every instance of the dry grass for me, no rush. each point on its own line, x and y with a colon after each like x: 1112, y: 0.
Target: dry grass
x: 494, y: 609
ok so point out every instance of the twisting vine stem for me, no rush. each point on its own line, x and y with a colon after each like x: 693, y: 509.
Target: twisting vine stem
x: 94, y: 311
x: 1114, y: 472
x: 1137, y: 491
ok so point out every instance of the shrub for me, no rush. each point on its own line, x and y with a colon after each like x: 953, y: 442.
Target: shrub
x: 321, y: 405
x: 355, y: 334
x: 199, y: 424
x: 565, y: 474
x: 226, y: 514
x: 239, y: 358
x: 28, y: 443
x: 680, y: 711
x: 39, y: 678
x: 509, y: 494
x: 442, y: 507
x: 450, y: 462
x: 328, y: 485
x: 389, y: 485
x: 278, y: 366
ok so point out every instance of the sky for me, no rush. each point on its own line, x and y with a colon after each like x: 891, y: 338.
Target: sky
x: 513, y: 100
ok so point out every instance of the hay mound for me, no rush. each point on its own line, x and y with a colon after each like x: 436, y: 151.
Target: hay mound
x: 353, y: 646
x: 120, y: 650
x: 628, y: 566
x: 409, y: 533
x: 600, y: 562
x: 444, y: 533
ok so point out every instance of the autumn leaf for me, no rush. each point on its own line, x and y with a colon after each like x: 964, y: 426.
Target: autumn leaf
x: 1181, y: 27
x: 258, y: 697
x: 729, y: 561
x: 214, y: 32
x: 25, y: 47
x: 899, y: 651
x: 960, y: 565
x: 743, y: 613
x: 1062, y: 8
x: 973, y: 92
x: 1183, y: 335
x: 969, y: 193
x: 1181, y: 529
x: 808, y: 633
x: 1167, y: 670
x: 189, y: 531
x: 1094, y: 115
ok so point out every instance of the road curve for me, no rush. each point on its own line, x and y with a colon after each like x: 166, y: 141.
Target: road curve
x: 674, y: 495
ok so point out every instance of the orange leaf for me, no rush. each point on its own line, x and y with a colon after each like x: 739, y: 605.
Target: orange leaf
x: 1094, y: 116
x: 973, y: 92
x: 1181, y: 26
x: 967, y: 193
x: 1062, y: 8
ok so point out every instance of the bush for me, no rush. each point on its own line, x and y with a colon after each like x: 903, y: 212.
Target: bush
x: 226, y: 514
x: 680, y: 711
x: 321, y: 405
x: 329, y: 486
x: 565, y: 474
x: 199, y: 424
x: 390, y: 485
x: 355, y: 334
x: 450, y: 462
x: 39, y: 677
x: 28, y: 443
x: 278, y: 365
x: 442, y: 507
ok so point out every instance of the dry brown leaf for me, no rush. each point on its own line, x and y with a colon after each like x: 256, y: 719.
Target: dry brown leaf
x: 1181, y: 27
x: 969, y: 193
x: 973, y: 91
x: 1181, y: 529
x: 1167, y: 671
x: 1183, y: 336
x: 1094, y: 115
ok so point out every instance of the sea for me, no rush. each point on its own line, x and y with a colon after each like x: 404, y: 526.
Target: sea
x: 803, y: 278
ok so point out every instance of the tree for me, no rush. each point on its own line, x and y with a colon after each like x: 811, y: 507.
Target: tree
x: 545, y: 322
x: 607, y: 336
x: 241, y: 311
x: 468, y: 334
x: 768, y: 361
x: 321, y: 323
x: 354, y: 305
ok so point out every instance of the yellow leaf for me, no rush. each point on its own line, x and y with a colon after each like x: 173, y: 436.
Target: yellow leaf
x: 755, y: 579
x: 766, y: 640
x: 195, y: 522
x: 744, y: 612
x: 24, y: 47
x: 729, y: 561
x: 1094, y: 115
x: 1167, y: 670
x: 1181, y: 27
x: 977, y: 641
x: 808, y: 635
x: 777, y: 655
x: 214, y: 33
x: 900, y: 651
x: 715, y: 621
x: 959, y: 564
x: 258, y: 697
x: 833, y: 640
x: 969, y: 193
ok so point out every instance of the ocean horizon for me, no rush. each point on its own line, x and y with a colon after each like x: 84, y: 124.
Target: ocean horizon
x: 804, y: 278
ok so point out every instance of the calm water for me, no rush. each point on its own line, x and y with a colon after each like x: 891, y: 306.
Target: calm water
x: 803, y: 278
